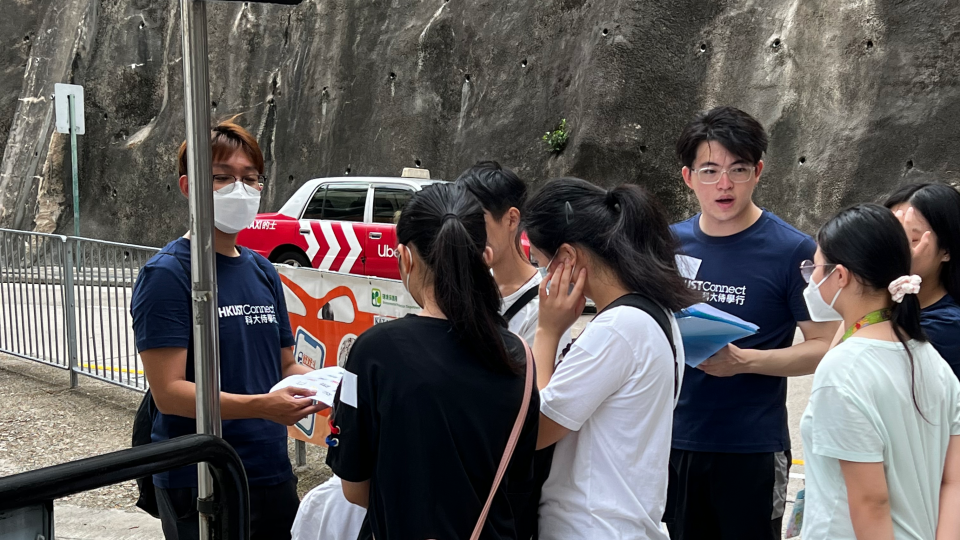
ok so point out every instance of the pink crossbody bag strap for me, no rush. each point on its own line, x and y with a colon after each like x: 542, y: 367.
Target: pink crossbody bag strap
x: 511, y: 444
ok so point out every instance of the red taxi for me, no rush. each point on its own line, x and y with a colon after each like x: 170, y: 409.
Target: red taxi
x: 337, y: 224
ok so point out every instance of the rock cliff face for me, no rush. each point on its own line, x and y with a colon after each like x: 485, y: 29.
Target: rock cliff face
x: 858, y: 96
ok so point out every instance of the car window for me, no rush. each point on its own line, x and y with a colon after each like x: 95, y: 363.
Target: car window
x: 314, y: 208
x: 388, y: 202
x: 344, y: 203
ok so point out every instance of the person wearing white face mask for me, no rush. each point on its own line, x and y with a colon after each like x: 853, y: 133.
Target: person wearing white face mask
x: 881, y: 432
x: 256, y: 350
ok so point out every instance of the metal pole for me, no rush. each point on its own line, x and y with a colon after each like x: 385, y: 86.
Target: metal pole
x: 73, y: 159
x: 196, y: 100
x: 70, y: 307
x: 300, y: 452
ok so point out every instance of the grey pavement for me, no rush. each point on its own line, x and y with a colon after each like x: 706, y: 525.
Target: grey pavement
x: 73, y: 522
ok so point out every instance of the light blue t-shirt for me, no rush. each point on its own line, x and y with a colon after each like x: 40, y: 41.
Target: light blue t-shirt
x: 861, y: 409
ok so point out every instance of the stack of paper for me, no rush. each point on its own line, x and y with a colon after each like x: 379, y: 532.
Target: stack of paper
x: 322, y: 381
x: 706, y: 329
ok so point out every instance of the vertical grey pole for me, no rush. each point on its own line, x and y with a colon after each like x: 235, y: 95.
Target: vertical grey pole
x: 71, y: 100
x: 300, y: 452
x: 196, y: 100
x: 70, y: 303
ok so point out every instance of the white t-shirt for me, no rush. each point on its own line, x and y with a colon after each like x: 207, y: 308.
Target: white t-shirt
x: 326, y: 514
x: 861, y: 409
x: 524, y: 323
x: 615, y: 391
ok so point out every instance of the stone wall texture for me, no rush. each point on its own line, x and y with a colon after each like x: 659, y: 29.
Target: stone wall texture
x: 858, y: 96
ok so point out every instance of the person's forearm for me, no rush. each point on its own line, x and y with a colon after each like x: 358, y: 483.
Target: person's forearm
x: 295, y: 369
x: 871, y: 520
x: 545, y: 344
x: 180, y: 399
x: 948, y: 526
x: 800, y: 359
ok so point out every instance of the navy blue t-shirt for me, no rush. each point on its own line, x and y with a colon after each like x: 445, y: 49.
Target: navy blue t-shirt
x: 254, y: 326
x: 941, y: 321
x: 755, y: 275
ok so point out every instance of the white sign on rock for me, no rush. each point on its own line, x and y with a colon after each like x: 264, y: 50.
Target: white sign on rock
x: 62, y: 107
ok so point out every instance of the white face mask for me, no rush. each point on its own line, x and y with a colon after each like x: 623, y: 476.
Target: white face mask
x: 405, y: 277
x: 235, y: 207
x: 819, y: 310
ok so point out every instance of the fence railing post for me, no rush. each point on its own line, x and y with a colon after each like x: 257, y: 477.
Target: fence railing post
x: 300, y: 453
x: 70, y: 307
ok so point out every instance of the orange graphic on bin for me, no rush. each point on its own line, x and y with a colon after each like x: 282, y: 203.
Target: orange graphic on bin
x: 324, y: 336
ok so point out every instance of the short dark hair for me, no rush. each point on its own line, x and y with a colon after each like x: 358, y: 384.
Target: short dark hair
x: 226, y: 138
x: 939, y: 204
x: 498, y: 188
x: 624, y: 227
x: 741, y: 134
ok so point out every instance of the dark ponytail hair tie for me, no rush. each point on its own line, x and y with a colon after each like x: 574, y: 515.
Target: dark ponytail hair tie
x: 450, y: 215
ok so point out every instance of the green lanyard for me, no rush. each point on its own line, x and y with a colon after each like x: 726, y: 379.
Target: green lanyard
x: 874, y: 317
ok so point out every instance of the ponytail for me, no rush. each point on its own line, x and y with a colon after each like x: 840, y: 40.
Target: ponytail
x: 625, y: 228
x: 445, y: 222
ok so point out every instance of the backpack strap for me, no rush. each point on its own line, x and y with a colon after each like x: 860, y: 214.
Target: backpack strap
x: 660, y: 316
x: 524, y: 299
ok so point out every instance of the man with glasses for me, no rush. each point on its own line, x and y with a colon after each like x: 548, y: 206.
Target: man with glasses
x: 256, y: 350
x: 731, y: 445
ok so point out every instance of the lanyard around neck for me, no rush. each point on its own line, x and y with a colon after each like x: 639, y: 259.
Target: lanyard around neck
x: 874, y: 317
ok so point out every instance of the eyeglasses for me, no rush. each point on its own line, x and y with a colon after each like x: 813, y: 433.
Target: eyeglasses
x: 737, y: 174
x: 254, y: 181
x: 807, y: 267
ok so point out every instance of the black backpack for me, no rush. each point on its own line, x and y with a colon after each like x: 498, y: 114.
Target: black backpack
x: 142, y: 427
x: 650, y: 307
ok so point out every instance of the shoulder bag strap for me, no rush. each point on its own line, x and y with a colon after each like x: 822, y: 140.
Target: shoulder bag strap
x: 524, y: 299
x: 659, y: 316
x: 511, y: 444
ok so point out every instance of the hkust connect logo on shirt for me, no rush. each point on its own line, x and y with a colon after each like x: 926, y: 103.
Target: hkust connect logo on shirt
x: 724, y: 294
x: 712, y: 292
x: 251, y: 314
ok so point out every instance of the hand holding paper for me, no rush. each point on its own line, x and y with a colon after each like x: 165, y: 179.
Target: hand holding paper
x: 322, y: 381
x: 706, y: 330
x: 727, y: 362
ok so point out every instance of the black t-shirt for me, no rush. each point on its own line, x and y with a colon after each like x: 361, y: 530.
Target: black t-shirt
x: 429, y: 430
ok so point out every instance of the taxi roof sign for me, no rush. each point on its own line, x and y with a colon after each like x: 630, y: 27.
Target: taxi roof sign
x: 415, y: 172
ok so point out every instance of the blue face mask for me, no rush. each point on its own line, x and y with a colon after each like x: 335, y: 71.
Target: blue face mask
x: 545, y: 269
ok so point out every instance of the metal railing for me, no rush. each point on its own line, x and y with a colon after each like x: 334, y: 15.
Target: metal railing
x: 65, y: 301
x: 42, y: 486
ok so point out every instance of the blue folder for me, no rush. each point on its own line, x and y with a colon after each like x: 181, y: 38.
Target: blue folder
x: 706, y: 329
